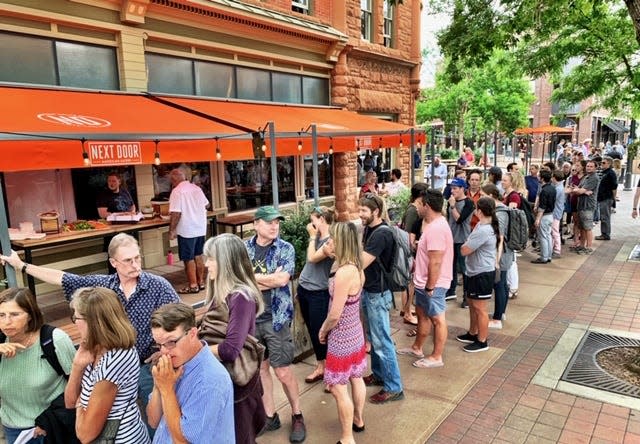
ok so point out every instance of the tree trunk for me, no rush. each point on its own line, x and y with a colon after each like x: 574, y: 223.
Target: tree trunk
x: 634, y: 11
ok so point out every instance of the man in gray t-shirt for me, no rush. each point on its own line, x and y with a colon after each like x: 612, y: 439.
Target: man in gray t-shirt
x: 587, y: 192
x: 459, y: 211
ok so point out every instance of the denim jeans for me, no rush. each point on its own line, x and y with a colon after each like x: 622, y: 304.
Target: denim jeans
x: 384, y: 362
x: 605, y: 216
x: 145, y: 387
x: 314, y: 306
x: 11, y: 434
x: 544, y: 236
x: 458, y: 267
x: 501, y: 289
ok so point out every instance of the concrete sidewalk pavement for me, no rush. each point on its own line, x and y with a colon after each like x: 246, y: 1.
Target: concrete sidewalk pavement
x: 503, y: 395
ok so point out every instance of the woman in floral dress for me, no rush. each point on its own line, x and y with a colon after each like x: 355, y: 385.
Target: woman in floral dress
x: 342, y: 331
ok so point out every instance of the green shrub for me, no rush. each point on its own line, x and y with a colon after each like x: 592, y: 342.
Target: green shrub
x: 294, y: 230
x: 448, y: 154
x: 397, y: 205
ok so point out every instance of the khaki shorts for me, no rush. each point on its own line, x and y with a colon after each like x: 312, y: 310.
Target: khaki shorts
x: 585, y: 219
x: 279, y: 344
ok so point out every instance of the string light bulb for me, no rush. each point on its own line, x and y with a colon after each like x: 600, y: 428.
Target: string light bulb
x: 330, y: 145
x: 264, y: 146
x: 86, y: 161
x: 218, y: 153
x: 156, y: 155
x: 401, y: 144
x: 299, y: 144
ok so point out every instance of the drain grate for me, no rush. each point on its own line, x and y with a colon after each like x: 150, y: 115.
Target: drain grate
x: 583, y: 368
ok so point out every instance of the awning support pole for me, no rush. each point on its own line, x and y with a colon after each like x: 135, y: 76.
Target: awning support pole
x: 314, y: 146
x: 5, y: 242
x: 412, y: 170
x: 274, y: 165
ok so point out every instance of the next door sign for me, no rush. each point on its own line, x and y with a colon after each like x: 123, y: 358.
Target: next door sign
x: 115, y: 153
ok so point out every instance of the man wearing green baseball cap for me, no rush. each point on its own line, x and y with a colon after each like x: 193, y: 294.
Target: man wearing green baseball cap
x: 273, y: 262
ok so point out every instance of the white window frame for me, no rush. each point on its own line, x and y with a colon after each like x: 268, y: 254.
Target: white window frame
x: 301, y: 6
x: 366, y: 19
x: 387, y: 28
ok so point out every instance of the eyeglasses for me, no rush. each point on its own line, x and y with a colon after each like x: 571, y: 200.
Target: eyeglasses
x: 169, y: 345
x: 130, y: 261
x: 11, y: 316
x: 75, y: 318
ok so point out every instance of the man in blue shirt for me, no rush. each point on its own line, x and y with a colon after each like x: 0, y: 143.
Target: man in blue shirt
x: 192, y: 398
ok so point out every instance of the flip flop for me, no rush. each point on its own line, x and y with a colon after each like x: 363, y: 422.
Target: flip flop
x: 427, y: 363
x: 406, y: 321
x: 410, y: 352
x: 188, y: 290
x: 411, y: 333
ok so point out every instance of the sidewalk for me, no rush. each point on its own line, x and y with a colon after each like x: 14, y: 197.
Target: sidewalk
x: 504, y: 395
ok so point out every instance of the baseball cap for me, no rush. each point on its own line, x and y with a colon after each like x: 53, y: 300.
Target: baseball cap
x: 458, y: 182
x: 268, y: 214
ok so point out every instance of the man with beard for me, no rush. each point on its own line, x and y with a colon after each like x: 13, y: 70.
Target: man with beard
x: 432, y: 277
x: 376, y: 300
x: 114, y: 199
x: 460, y: 209
x: 586, y: 192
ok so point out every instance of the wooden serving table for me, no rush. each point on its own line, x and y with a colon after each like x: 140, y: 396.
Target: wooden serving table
x: 235, y: 221
x: 68, y: 237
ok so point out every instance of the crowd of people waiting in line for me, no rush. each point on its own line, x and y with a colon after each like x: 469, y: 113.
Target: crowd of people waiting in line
x: 143, y: 373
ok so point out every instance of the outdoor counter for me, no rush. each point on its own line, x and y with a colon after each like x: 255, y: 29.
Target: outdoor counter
x: 69, y: 237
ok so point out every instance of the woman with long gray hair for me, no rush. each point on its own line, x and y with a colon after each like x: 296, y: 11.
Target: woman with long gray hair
x: 233, y: 295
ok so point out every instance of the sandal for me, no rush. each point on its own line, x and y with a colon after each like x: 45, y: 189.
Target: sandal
x: 188, y: 290
x: 412, y: 333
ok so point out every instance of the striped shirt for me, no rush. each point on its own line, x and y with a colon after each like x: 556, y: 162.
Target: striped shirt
x: 122, y: 368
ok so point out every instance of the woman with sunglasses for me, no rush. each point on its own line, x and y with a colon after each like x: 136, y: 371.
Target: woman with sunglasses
x: 313, y: 284
x: 234, y: 297
x: 23, y: 400
x: 103, y: 384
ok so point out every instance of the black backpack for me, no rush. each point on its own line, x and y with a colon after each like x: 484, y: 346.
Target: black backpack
x: 48, y: 350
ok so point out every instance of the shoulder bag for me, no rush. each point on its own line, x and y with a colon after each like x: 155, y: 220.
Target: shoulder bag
x: 213, y: 330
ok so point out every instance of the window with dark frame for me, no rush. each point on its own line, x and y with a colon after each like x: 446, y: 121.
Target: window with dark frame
x: 325, y: 176
x: 209, y: 79
x: 248, y: 182
x: 45, y: 61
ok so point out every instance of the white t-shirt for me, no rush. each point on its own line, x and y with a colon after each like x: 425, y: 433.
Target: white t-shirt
x: 394, y: 188
x: 189, y: 200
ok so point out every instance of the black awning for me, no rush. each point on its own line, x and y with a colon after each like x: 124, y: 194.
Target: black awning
x: 615, y: 126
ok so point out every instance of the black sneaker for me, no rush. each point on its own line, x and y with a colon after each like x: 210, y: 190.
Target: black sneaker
x: 476, y: 347
x: 450, y: 297
x: 467, y: 338
x: 298, y: 430
x: 272, y: 423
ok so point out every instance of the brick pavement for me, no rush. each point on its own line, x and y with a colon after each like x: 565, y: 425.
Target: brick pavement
x: 505, y: 406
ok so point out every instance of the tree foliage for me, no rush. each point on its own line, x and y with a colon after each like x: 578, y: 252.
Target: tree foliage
x: 493, y: 96
x: 589, y: 48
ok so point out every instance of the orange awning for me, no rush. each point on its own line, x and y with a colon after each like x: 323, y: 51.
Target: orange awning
x: 343, y: 130
x: 548, y: 129
x: 42, y: 129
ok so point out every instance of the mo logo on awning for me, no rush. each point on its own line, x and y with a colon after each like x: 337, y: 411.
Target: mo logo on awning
x: 74, y: 120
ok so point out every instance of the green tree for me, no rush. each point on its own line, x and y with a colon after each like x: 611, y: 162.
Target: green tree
x: 588, y: 48
x: 494, y: 96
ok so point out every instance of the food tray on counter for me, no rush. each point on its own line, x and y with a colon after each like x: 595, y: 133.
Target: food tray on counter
x: 124, y: 218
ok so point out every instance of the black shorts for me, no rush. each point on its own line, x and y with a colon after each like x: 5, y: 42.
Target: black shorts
x: 481, y: 285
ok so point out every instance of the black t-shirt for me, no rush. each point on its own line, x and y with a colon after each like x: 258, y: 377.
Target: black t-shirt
x: 378, y: 242
x: 115, y: 202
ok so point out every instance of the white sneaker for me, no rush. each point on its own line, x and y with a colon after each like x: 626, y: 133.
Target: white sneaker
x: 495, y: 324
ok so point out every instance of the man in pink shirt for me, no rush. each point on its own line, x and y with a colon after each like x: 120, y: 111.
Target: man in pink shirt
x: 432, y: 277
x: 188, y: 212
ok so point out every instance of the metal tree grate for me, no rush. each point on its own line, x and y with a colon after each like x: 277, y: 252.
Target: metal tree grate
x: 583, y: 368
